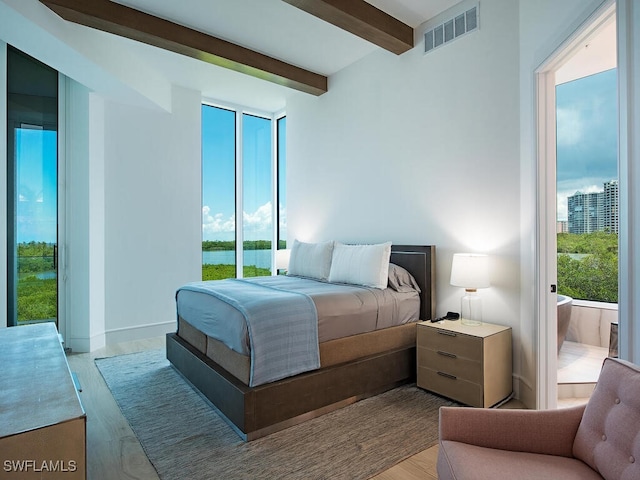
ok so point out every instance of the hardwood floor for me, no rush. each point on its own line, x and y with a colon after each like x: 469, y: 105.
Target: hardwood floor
x: 114, y: 453
x: 420, y: 466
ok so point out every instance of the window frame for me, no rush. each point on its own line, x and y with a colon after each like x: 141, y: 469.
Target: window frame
x: 277, y: 187
x: 240, y: 112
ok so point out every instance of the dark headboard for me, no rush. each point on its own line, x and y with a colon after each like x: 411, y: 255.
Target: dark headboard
x: 420, y: 261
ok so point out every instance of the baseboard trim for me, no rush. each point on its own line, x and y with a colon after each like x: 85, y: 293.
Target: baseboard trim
x: 85, y: 344
x: 139, y: 332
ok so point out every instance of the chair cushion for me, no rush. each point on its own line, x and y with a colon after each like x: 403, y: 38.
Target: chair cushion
x: 461, y: 461
x: 608, y: 438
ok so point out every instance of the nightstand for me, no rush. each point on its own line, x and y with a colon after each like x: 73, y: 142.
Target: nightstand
x: 469, y: 364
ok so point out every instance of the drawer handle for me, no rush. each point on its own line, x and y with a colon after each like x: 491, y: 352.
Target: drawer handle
x: 447, y: 375
x: 447, y: 333
x: 447, y: 354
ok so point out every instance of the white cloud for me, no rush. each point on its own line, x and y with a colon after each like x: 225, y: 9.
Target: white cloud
x: 259, y: 221
x: 283, y: 218
x: 592, y: 189
x: 216, y: 223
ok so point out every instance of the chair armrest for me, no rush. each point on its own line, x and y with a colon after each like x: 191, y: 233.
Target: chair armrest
x: 549, y: 432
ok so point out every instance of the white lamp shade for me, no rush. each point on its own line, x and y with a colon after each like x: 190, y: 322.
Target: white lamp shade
x: 470, y: 270
x: 282, y: 259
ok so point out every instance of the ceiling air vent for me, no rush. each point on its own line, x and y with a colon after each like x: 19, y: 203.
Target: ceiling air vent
x: 451, y: 29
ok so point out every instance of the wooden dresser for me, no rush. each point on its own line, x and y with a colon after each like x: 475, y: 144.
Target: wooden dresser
x: 469, y: 364
x: 42, y: 422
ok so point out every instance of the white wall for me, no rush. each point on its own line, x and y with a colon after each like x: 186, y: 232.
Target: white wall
x: 152, y: 213
x: 95, y: 228
x: 133, y: 215
x: 83, y: 253
x: 420, y: 149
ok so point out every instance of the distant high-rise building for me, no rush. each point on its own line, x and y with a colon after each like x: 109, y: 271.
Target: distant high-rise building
x: 562, y: 226
x: 594, y: 212
x: 584, y: 212
x: 611, y: 222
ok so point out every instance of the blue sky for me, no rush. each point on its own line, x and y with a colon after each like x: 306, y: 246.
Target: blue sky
x: 587, y: 135
x: 218, y: 175
x: 36, y: 151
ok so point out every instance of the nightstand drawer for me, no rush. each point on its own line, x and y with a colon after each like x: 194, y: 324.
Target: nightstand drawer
x: 470, y: 364
x: 461, y: 367
x: 451, y: 342
x: 453, y: 387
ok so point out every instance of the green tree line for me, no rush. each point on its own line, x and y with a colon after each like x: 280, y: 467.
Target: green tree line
x: 592, y: 274
x: 35, y: 257
x: 220, y: 272
x: 219, y: 245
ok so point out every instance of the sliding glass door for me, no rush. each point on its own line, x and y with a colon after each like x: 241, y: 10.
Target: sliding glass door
x: 32, y: 190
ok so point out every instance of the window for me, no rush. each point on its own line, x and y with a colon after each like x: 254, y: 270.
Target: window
x: 218, y: 193
x: 257, y: 195
x: 241, y: 178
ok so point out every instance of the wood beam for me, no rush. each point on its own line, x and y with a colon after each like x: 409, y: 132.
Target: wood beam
x: 130, y: 23
x: 362, y: 19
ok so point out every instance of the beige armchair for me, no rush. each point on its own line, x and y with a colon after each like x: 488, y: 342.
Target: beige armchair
x: 599, y: 440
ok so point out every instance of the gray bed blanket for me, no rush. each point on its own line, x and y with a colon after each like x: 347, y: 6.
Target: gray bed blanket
x: 282, y: 326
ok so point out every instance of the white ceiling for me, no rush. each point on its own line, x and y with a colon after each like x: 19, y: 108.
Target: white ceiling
x: 271, y: 27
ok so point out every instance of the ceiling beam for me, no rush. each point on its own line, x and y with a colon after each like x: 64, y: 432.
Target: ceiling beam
x: 136, y: 25
x: 362, y: 19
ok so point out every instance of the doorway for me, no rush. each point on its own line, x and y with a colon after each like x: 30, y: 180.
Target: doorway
x: 584, y: 55
x: 32, y: 190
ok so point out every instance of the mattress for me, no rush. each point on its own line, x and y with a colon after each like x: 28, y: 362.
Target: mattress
x: 343, y: 310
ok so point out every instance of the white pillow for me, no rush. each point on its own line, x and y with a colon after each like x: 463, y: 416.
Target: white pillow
x: 366, y: 265
x: 312, y: 260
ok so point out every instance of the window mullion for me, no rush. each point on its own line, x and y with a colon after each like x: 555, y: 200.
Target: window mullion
x: 274, y: 194
x: 239, y: 196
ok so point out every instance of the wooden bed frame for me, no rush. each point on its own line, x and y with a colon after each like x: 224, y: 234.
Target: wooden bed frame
x: 258, y: 411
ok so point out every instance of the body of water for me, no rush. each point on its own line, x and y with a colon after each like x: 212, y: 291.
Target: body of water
x: 39, y: 275
x: 259, y: 258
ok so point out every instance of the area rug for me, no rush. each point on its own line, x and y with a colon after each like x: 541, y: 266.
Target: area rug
x: 184, y: 436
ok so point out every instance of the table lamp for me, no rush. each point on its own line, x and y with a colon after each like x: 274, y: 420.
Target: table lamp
x: 470, y: 271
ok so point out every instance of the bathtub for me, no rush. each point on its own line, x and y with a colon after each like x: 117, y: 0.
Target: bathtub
x: 564, y: 317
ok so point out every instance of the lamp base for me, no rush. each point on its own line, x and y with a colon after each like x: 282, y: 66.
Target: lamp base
x: 471, y: 308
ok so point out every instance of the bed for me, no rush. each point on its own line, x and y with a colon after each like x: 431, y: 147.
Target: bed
x: 351, y: 367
